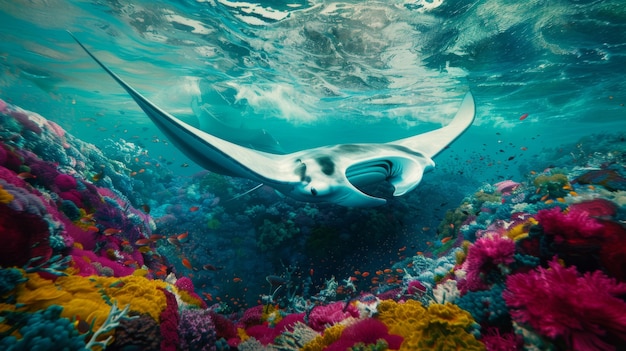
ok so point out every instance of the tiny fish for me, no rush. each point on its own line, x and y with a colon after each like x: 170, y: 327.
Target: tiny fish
x: 523, y: 117
x: 186, y: 263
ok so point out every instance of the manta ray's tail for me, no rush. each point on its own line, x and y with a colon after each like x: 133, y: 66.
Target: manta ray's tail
x: 431, y: 143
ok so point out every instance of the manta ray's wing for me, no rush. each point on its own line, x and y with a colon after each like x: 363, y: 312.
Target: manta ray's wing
x: 431, y: 143
x: 208, y: 151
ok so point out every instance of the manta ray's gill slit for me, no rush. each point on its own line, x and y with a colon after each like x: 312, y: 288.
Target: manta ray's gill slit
x: 364, y: 172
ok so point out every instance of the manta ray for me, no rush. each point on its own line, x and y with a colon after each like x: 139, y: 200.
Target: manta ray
x: 333, y: 173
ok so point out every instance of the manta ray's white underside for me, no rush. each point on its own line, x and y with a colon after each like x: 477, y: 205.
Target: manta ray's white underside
x: 324, y: 174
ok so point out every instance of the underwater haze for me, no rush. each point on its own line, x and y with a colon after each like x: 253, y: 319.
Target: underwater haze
x: 532, y: 194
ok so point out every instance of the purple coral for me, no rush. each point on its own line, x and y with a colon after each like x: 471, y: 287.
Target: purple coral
x: 196, y: 330
x: 585, y: 311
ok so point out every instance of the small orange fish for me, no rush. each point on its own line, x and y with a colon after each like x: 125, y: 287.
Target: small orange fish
x: 446, y: 239
x: 141, y: 170
x: 98, y: 176
x: 144, y: 249
x: 560, y: 199
x: 155, y: 237
x: 186, y: 263
x: 93, y: 228
x: 523, y: 117
x: 143, y: 242
x: 182, y: 237
x: 387, y: 270
x: 208, y: 296
x: 549, y: 201
x: 365, y: 274
x: 545, y: 197
x: 451, y: 225
x: 26, y: 175
x: 399, y: 270
x: 132, y: 174
x: 111, y: 231
x: 425, y: 229
x: 379, y: 272
x: 573, y: 193
x: 194, y: 208
x: 402, y: 249
x: 357, y: 272
x: 236, y: 280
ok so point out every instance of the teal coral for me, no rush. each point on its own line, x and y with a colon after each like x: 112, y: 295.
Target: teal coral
x: 44, y: 330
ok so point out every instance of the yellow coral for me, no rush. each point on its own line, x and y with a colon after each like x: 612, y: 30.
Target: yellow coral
x: 520, y: 231
x: 5, y: 196
x: 90, y: 298
x: 329, y: 336
x: 188, y: 299
x: 438, y: 327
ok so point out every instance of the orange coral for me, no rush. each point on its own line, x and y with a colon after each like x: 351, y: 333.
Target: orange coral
x: 5, y: 196
x: 438, y: 327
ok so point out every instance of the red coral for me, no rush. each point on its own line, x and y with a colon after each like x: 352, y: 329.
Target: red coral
x: 168, y: 320
x: 367, y: 331
x: 486, y: 254
x: 226, y: 329
x: 24, y: 236
x: 252, y: 316
x: 583, y: 310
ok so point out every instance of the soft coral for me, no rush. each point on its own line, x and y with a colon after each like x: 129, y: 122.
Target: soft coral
x: 584, y: 310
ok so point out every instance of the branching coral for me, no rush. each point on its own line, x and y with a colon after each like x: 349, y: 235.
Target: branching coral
x: 196, y: 330
x: 585, y: 311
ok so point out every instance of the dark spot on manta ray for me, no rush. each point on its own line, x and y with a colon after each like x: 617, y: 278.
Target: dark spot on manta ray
x: 313, y: 191
x: 327, y: 164
x: 300, y: 170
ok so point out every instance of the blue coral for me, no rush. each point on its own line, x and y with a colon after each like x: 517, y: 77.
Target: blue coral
x: 486, y: 306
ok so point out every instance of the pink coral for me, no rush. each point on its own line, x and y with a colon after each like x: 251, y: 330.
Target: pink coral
x: 574, y: 224
x: 367, y: 331
x: 506, y: 187
x: 486, y: 254
x: 583, y: 310
x: 322, y: 316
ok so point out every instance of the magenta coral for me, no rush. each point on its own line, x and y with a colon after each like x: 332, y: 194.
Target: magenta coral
x: 586, y: 311
x: 367, y: 331
x: 596, y: 207
x: 65, y: 182
x: 322, y: 316
x: 486, y: 254
x: 576, y: 223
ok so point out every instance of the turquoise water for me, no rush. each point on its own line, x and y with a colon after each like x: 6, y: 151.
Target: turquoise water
x: 548, y: 79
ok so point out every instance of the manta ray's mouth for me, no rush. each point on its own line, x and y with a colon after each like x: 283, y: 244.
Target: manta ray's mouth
x: 373, y: 172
